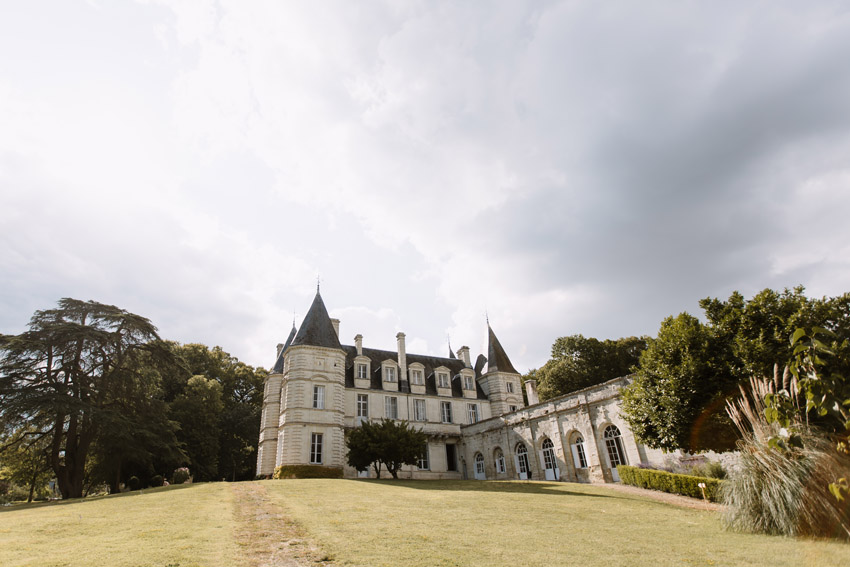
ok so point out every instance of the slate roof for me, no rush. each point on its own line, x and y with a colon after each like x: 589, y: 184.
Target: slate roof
x: 278, y: 364
x: 498, y: 360
x: 317, y: 329
x: 377, y: 357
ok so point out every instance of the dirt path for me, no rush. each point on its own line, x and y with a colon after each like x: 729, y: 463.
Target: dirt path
x: 675, y: 499
x: 267, y: 537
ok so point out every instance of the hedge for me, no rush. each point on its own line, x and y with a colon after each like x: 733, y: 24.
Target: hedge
x: 307, y: 471
x: 673, y: 483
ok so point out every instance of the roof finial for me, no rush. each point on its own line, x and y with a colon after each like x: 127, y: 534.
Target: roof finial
x: 486, y: 316
x: 318, y: 282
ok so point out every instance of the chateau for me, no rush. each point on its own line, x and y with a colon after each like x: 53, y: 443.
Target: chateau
x: 478, y: 425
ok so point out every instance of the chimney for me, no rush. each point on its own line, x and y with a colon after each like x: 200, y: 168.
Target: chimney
x: 335, y: 323
x: 531, y: 392
x: 463, y: 354
x: 402, y: 357
x: 279, y: 348
x: 358, y: 342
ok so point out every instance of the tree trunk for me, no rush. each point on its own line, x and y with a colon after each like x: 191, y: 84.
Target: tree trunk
x: 32, y: 486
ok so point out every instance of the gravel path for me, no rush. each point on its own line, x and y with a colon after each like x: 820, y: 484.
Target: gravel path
x: 674, y: 499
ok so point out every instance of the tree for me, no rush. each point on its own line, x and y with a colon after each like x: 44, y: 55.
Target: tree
x: 197, y: 410
x: 387, y: 442
x: 578, y: 362
x: 25, y: 459
x: 66, y: 375
x: 676, y: 399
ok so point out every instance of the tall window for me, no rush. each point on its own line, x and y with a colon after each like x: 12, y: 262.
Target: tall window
x: 467, y: 383
x: 316, y: 449
x: 361, y: 371
x: 446, y: 411
x: 443, y: 380
x: 479, y: 466
x: 614, y: 444
x: 549, y: 454
x: 522, y: 460
x: 419, y: 410
x: 389, y: 374
x: 510, y: 387
x: 472, y: 412
x: 512, y: 408
x: 319, y: 397
x: 391, y: 407
x: 416, y: 377
x: 579, y: 457
x: 422, y: 463
x: 363, y: 405
x: 500, y: 462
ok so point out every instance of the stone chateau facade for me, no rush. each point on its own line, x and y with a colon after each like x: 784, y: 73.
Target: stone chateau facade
x: 478, y: 425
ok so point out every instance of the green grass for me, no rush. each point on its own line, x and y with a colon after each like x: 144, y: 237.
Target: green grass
x: 376, y: 523
x: 183, y: 526
x: 423, y: 523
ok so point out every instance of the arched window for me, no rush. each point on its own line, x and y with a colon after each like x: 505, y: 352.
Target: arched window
x: 614, y: 445
x: 579, y: 456
x: 550, y: 465
x: 500, y: 462
x: 522, y: 461
x: 479, y: 467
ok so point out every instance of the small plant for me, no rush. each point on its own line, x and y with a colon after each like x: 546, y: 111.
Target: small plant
x: 133, y: 483
x: 181, y: 475
x: 307, y: 471
x: 156, y: 480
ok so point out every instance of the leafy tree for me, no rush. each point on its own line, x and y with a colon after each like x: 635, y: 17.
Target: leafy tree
x: 66, y: 376
x: 24, y: 460
x: 197, y: 409
x: 386, y: 442
x: 578, y: 362
x: 676, y: 399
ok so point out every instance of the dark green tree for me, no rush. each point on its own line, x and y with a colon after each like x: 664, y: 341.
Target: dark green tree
x: 387, y: 442
x: 65, y: 376
x: 24, y: 459
x: 197, y: 409
x: 578, y: 362
x: 677, y: 397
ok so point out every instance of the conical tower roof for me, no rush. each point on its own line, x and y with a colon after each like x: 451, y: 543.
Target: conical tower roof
x: 498, y: 360
x: 278, y: 364
x: 317, y: 329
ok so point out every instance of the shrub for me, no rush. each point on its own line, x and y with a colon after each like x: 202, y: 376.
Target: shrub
x: 181, y: 475
x: 786, y: 492
x: 156, y: 480
x: 133, y: 483
x: 686, y: 485
x: 307, y: 471
x: 711, y: 469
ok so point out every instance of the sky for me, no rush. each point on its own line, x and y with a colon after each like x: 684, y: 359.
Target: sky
x: 554, y: 167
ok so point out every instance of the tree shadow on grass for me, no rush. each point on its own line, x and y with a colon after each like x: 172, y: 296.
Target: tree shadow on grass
x: 51, y: 503
x: 505, y: 486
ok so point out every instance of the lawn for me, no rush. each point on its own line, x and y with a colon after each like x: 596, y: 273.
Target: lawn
x: 375, y: 523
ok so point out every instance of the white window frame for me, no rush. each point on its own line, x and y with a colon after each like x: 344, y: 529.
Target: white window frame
x: 443, y: 380
x: 363, y: 406
x: 416, y: 377
x: 472, y: 413
x: 362, y: 371
x: 512, y: 408
x: 510, y: 386
x: 389, y: 374
x: 391, y: 407
x: 446, y: 412
x: 316, y: 449
x: 423, y: 463
x: 420, y: 410
x: 501, y: 468
x: 479, y: 464
x: 579, y: 455
x: 468, y: 383
x: 318, y: 397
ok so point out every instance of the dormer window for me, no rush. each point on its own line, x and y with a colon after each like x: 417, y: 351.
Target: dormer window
x: 442, y: 380
x: 389, y: 374
x: 362, y: 372
x: 416, y: 377
x: 467, y: 383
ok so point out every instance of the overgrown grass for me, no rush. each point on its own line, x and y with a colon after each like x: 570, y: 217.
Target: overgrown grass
x: 179, y: 526
x: 427, y: 523
x: 378, y: 523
